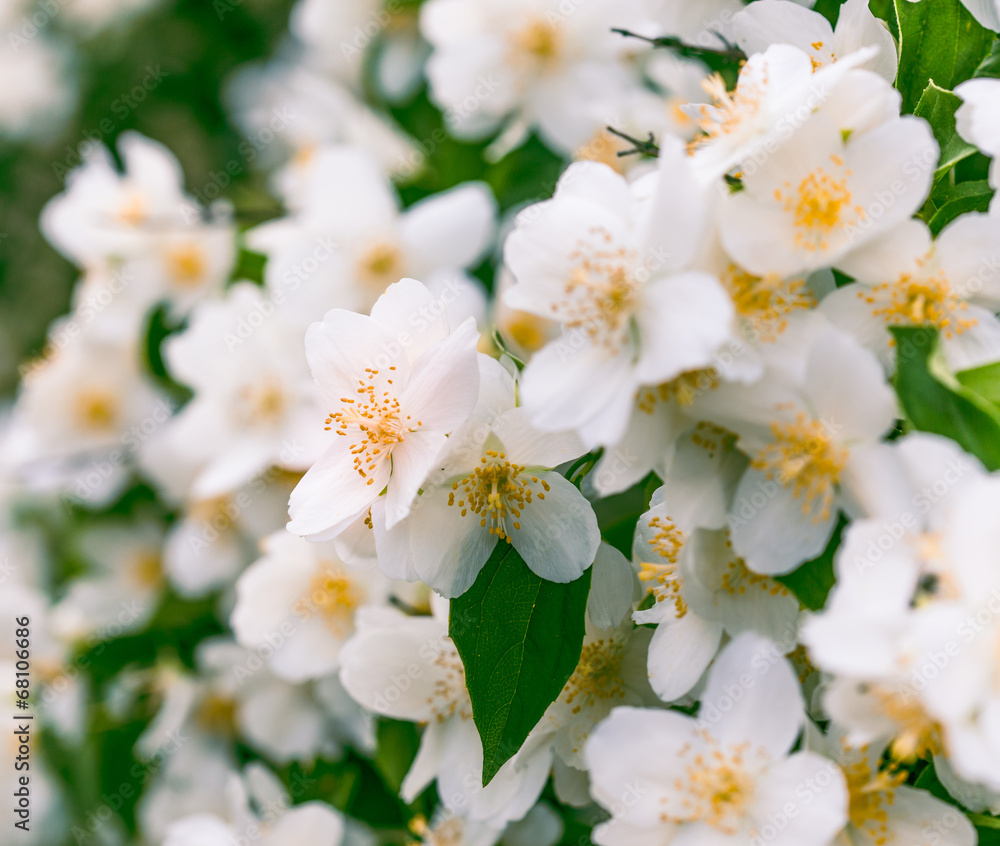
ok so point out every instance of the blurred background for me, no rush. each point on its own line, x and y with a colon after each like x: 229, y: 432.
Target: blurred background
x: 103, y: 68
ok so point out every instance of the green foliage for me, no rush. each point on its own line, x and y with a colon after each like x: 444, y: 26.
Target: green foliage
x: 953, y: 201
x: 520, y: 638
x: 397, y: 747
x: 984, y: 380
x: 938, y: 106
x: 939, y: 41
x: 935, y: 401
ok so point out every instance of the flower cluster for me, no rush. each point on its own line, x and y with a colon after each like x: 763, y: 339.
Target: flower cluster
x: 736, y: 386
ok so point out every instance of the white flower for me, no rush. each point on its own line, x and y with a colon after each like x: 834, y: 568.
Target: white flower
x: 819, y: 196
x: 611, y: 673
x: 236, y: 695
x: 495, y: 484
x: 288, y: 109
x: 611, y: 262
x: 301, y: 597
x: 124, y: 586
x: 776, y: 93
x: 408, y: 668
x: 104, y: 213
x: 976, y: 119
x: 721, y: 777
x: 395, y: 385
x: 347, y: 239
x: 81, y: 412
x: 700, y: 587
x: 254, y: 404
x: 768, y: 22
x: 883, y: 809
x: 39, y: 94
x: 532, y: 63
x: 888, y: 569
x: 813, y: 441
x: 906, y: 279
x: 191, y: 781
x: 259, y: 808
x: 696, y: 23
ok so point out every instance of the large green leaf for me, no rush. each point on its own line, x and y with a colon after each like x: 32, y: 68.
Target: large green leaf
x: 938, y: 106
x: 935, y: 401
x: 520, y: 639
x: 952, y: 201
x: 940, y: 41
x: 984, y: 380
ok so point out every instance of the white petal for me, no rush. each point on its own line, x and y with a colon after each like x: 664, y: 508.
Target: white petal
x: 448, y: 549
x: 816, y: 788
x: 332, y: 495
x: 558, y: 538
x: 753, y: 694
x: 444, y: 383
x: 529, y: 447
x: 452, y: 228
x: 769, y: 528
x: 683, y: 320
x: 412, y: 462
x: 680, y: 652
x: 613, y: 586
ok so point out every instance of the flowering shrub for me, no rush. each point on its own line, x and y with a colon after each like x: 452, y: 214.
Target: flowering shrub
x: 589, y: 436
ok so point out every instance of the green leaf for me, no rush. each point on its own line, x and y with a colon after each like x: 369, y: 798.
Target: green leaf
x: 397, y: 746
x: 938, y: 106
x: 984, y: 381
x: 928, y: 780
x: 935, y: 401
x: 957, y: 200
x: 520, y: 639
x: 939, y: 40
x: 990, y: 66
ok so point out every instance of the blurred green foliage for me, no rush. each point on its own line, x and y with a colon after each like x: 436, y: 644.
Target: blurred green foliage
x: 183, y: 50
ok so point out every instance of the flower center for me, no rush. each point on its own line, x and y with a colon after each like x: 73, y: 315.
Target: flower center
x: 870, y: 795
x: 920, y: 301
x: 96, y: 409
x: 147, y: 570
x: 216, y: 714
x: 261, y: 404
x: 133, y: 209
x: 765, y: 301
x: 663, y: 578
x: 804, y: 456
x: 335, y: 597
x: 682, y: 390
x: 919, y: 734
x: 540, y: 40
x: 598, y: 675
x: 186, y: 265
x: 375, y: 419
x: 729, y: 111
x: 820, y: 206
x: 497, y: 492
x: 528, y: 331
x: 600, y: 293
x: 603, y: 147
x: 719, y: 788
x: 737, y: 577
x: 380, y: 265
x: 450, y: 696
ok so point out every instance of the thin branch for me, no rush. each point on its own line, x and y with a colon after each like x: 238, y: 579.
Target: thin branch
x: 649, y: 147
x: 728, y: 51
